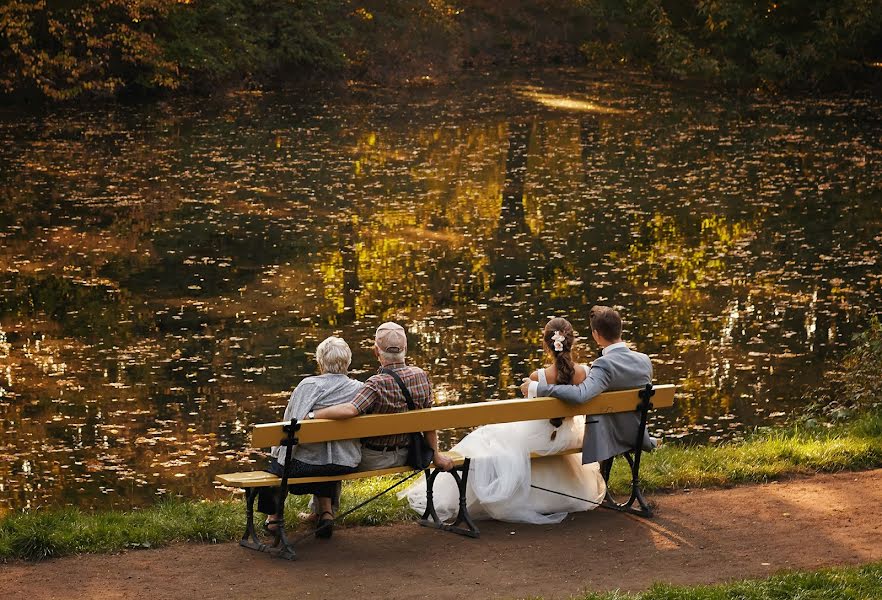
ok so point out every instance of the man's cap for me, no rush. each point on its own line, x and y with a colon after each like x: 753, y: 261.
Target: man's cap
x: 391, y: 338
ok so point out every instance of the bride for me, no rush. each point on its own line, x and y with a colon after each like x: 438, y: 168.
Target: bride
x: 502, y: 472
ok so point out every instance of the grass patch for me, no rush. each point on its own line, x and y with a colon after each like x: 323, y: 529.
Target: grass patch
x: 385, y: 509
x: 850, y: 583
x: 762, y: 457
x: 58, y: 532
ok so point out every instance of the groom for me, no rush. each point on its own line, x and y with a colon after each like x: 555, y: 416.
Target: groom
x: 619, y: 368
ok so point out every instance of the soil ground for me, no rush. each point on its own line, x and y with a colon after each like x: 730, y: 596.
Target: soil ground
x: 700, y: 536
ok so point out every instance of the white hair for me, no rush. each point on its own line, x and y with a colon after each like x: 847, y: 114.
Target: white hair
x: 333, y: 355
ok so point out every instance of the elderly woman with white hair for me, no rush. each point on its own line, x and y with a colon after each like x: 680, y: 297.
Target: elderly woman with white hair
x: 332, y: 387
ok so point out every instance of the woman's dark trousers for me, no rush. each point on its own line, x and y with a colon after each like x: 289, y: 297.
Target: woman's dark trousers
x: 267, y: 497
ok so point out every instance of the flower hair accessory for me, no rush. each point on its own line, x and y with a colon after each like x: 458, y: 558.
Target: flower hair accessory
x: 558, y: 339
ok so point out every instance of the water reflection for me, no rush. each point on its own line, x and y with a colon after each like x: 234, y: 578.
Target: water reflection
x: 167, y: 271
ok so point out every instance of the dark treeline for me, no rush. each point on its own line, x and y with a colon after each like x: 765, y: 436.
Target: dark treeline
x: 770, y: 43
x: 64, y: 49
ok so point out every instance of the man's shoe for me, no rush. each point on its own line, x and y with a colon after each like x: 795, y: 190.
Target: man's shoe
x: 307, y: 517
x: 325, y: 527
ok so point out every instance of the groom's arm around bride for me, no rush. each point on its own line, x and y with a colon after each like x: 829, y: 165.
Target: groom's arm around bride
x: 618, y: 368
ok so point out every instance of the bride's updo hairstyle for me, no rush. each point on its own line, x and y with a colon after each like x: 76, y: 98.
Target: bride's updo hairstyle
x: 559, y: 338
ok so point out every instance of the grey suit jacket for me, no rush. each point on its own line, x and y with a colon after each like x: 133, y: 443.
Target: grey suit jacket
x: 609, y: 435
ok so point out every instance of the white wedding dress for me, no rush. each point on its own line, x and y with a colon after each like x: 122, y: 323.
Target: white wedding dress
x: 501, y: 474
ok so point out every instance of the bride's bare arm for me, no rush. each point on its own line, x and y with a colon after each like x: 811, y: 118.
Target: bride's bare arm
x: 525, y: 385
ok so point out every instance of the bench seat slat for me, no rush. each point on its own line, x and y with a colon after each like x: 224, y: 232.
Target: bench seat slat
x: 459, y: 415
x: 255, y: 479
x: 265, y: 478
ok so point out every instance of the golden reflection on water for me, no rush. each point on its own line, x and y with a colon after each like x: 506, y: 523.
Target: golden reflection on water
x: 567, y: 103
x: 167, y: 272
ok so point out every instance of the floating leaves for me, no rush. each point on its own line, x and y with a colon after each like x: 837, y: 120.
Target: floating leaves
x: 167, y: 272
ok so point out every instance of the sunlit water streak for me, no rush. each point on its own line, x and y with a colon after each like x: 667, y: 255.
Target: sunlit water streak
x: 166, y: 271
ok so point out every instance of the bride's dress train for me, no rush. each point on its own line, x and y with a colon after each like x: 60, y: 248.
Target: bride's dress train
x: 502, y: 472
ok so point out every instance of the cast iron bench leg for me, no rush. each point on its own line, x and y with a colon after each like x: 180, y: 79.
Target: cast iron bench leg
x: 430, y: 517
x: 636, y: 495
x: 279, y: 547
x: 250, y: 535
x: 609, y: 501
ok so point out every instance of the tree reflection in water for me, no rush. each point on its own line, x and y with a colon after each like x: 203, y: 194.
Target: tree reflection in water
x: 167, y: 271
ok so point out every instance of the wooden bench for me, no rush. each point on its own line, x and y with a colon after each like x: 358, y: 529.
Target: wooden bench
x: 289, y: 434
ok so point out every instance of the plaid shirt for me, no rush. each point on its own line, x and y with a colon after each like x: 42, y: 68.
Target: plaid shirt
x: 381, y: 395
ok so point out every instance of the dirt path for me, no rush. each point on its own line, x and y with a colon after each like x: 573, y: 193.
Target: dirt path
x: 696, y: 537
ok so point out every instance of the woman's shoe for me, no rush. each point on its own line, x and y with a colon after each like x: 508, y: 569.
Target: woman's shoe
x: 325, y: 527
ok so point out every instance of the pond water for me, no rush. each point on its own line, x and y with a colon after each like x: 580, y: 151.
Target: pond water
x: 167, y: 270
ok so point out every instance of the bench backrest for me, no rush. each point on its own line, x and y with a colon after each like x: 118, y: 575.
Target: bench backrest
x: 457, y: 415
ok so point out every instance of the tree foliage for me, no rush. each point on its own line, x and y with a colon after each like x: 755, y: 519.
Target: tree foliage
x: 776, y: 43
x: 213, y: 40
x: 62, y: 49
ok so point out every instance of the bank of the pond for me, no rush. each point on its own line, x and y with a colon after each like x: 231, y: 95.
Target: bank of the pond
x: 697, y: 538
x: 762, y: 457
x: 827, y: 584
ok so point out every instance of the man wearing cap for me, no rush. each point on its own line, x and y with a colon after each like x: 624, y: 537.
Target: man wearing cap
x: 382, y: 395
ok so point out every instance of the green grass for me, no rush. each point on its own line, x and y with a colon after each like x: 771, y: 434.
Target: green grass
x: 762, y: 457
x: 41, y: 534
x: 853, y: 583
x: 385, y: 509
x: 58, y: 532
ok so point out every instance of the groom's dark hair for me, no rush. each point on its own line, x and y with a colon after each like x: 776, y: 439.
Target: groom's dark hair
x: 606, y: 322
